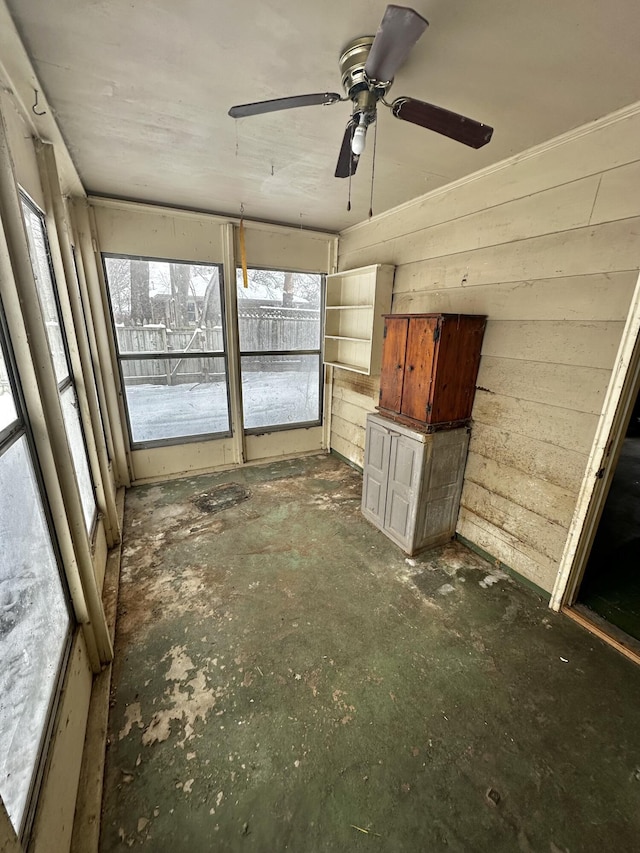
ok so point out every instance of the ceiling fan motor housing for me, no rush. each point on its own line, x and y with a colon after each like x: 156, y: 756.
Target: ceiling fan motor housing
x: 356, y: 84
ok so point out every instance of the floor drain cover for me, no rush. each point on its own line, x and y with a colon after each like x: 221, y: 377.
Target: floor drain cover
x: 222, y: 497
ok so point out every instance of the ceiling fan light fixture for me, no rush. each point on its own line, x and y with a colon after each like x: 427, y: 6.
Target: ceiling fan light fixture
x: 359, y: 139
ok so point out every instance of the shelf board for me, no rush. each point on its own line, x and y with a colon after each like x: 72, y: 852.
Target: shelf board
x: 354, y: 368
x: 346, y: 338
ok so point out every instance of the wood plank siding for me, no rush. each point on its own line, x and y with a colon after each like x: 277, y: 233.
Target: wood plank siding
x: 547, y: 245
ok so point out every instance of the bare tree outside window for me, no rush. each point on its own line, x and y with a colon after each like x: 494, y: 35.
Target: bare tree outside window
x: 120, y: 288
x: 180, y: 275
x: 290, y: 289
x: 140, y: 299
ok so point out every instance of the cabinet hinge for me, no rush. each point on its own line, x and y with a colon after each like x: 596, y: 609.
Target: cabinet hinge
x: 600, y: 474
x: 428, y: 408
x: 384, y: 334
x: 436, y: 334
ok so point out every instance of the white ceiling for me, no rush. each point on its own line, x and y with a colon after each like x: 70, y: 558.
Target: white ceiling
x: 141, y: 90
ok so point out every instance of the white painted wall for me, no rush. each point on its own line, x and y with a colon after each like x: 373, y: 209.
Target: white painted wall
x: 546, y: 244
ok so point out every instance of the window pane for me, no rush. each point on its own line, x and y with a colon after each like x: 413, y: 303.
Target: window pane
x: 280, y: 389
x: 169, y: 308
x: 8, y: 412
x: 34, y: 622
x: 279, y: 310
x: 159, y: 306
x: 72, y: 425
x: 42, y: 272
x: 172, y: 397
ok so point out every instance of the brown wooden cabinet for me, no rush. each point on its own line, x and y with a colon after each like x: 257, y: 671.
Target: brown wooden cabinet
x: 429, y: 368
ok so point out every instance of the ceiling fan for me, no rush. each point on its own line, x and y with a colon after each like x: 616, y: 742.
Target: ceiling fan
x: 368, y: 65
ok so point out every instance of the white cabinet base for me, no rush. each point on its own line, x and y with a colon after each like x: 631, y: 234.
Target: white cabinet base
x: 412, y: 482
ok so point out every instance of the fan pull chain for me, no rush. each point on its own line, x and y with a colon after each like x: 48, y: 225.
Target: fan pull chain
x: 373, y: 167
x: 350, y: 168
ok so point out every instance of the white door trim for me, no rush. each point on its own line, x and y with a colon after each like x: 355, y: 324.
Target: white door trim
x: 619, y: 400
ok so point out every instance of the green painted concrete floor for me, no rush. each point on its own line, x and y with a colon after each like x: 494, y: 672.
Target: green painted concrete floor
x: 286, y: 680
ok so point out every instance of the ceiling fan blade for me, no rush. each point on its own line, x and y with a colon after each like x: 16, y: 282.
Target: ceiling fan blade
x: 321, y: 98
x: 347, y: 160
x: 462, y: 129
x: 399, y: 30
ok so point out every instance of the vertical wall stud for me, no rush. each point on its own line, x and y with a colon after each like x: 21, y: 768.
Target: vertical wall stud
x: 233, y: 343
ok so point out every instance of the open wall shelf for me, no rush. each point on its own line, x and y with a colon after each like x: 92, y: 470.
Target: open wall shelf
x: 355, y: 304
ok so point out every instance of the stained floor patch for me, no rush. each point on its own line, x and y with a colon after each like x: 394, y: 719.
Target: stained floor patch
x: 222, y: 497
x: 430, y: 581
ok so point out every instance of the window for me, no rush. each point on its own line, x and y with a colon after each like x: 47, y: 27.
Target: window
x: 81, y: 299
x: 43, y: 273
x: 35, y: 624
x: 279, y: 319
x: 169, y: 327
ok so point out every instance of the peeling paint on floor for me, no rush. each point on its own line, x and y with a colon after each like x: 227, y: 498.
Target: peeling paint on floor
x: 286, y: 679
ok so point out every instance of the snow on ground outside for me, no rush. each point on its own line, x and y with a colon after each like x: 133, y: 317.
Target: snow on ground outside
x: 7, y: 409
x: 270, y: 398
x: 71, y: 416
x: 34, y: 621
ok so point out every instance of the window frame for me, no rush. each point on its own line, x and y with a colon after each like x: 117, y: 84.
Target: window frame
x: 69, y: 380
x: 265, y: 430
x: 18, y: 429
x: 177, y: 354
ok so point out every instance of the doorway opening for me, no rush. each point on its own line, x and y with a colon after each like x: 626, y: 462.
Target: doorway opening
x: 596, y: 584
x: 610, y: 588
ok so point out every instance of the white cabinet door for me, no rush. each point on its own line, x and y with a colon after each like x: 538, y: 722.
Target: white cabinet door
x: 403, y: 490
x: 376, y: 473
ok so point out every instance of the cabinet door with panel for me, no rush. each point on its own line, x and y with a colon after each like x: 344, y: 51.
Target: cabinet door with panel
x: 458, y: 345
x: 376, y: 473
x: 441, y: 487
x: 403, y: 489
x: 393, y: 357
x: 420, y: 366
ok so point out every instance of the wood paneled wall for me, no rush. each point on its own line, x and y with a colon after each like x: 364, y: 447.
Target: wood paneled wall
x: 548, y: 246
